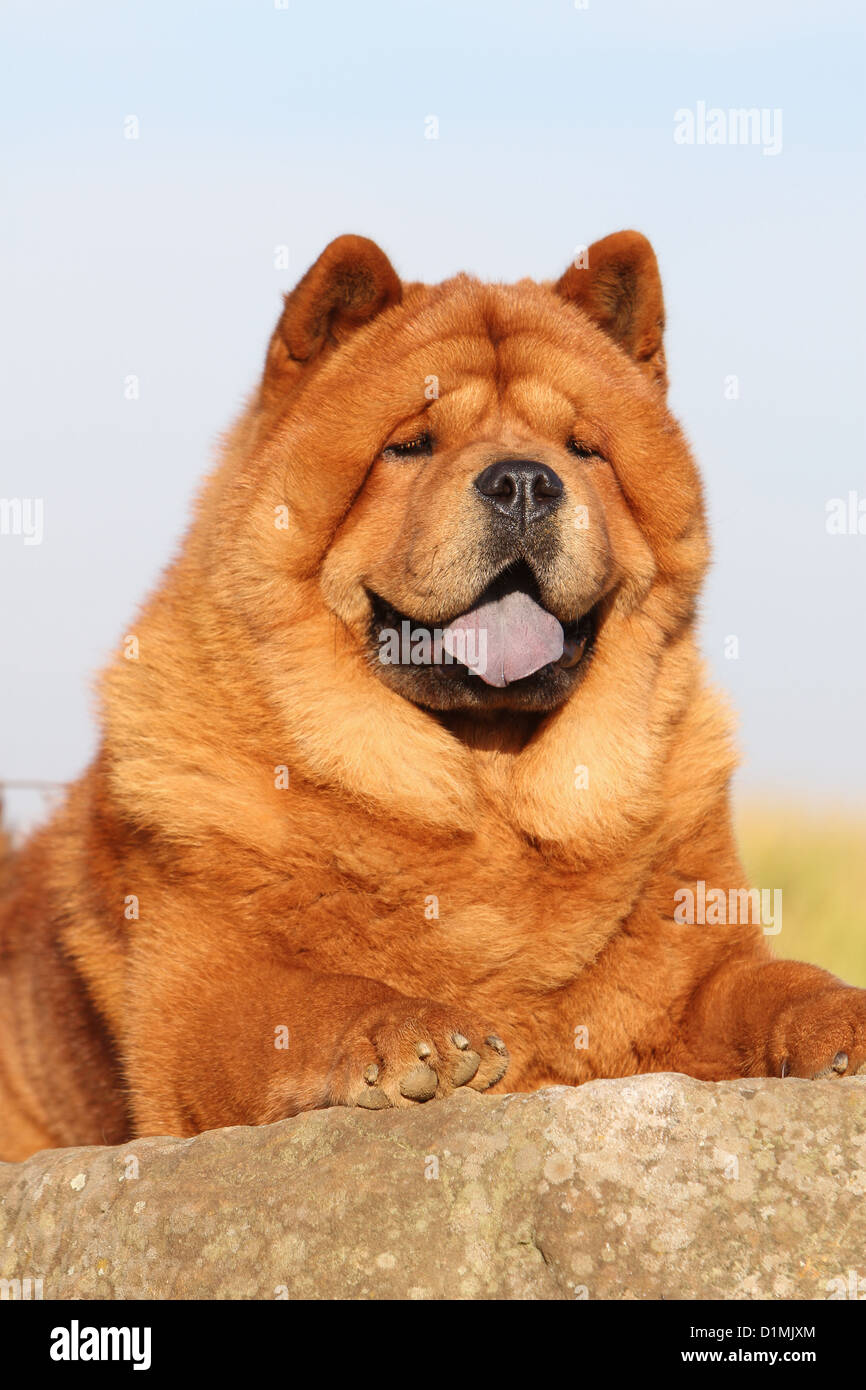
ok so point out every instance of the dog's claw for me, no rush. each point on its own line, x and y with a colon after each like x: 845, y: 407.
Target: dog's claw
x: 423, y: 1050
x: 497, y: 1044
x: 840, y: 1062
x: 371, y: 1074
x: 373, y: 1099
x: 466, y: 1068
x: 420, y: 1083
x: 459, y: 1041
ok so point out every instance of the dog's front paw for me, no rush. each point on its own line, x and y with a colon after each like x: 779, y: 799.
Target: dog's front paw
x: 409, y: 1050
x: 821, y: 1036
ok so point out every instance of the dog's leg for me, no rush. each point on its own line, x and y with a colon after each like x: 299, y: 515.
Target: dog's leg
x: 767, y: 1017
x: 252, y: 1039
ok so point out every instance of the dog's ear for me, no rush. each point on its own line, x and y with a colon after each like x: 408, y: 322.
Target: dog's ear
x: 617, y: 283
x: 350, y: 283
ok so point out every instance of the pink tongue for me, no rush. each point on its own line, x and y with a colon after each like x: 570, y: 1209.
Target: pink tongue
x: 506, y: 639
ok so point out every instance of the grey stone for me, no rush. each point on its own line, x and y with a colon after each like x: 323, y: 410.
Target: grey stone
x: 648, y: 1187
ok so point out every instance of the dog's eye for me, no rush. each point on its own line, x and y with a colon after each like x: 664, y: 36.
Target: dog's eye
x: 583, y: 451
x: 411, y: 448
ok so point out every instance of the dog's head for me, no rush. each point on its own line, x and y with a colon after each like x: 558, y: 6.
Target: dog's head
x: 450, y: 555
x: 475, y: 478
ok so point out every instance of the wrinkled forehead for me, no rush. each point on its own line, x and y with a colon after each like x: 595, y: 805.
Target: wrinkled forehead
x: 464, y: 351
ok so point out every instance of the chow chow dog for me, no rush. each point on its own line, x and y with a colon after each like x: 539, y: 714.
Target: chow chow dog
x: 408, y: 762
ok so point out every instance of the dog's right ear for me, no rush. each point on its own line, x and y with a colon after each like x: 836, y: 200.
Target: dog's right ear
x: 349, y: 284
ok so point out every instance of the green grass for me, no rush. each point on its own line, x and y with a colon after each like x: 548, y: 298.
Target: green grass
x: 818, y: 859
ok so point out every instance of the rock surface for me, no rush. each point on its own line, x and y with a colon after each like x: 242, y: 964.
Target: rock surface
x: 649, y: 1187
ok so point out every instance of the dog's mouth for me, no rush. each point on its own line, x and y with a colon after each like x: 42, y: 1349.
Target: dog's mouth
x: 506, y: 639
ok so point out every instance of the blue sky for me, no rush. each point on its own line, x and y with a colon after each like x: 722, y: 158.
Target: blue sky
x: 262, y: 127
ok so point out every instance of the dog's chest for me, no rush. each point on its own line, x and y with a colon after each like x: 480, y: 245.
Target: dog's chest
x: 458, y: 915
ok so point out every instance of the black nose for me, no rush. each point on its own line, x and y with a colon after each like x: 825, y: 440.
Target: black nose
x: 523, y: 490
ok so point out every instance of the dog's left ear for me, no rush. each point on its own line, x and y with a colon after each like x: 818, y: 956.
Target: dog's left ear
x: 617, y: 283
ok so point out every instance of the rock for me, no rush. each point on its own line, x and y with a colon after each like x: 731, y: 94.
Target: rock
x: 649, y: 1187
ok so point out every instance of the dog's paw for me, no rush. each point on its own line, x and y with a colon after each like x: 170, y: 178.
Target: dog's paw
x: 410, y: 1050
x: 822, y: 1036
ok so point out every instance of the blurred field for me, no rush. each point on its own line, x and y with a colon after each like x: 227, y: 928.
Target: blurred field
x: 818, y: 859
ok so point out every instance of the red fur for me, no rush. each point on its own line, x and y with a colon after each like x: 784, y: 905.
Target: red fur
x: 427, y: 872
